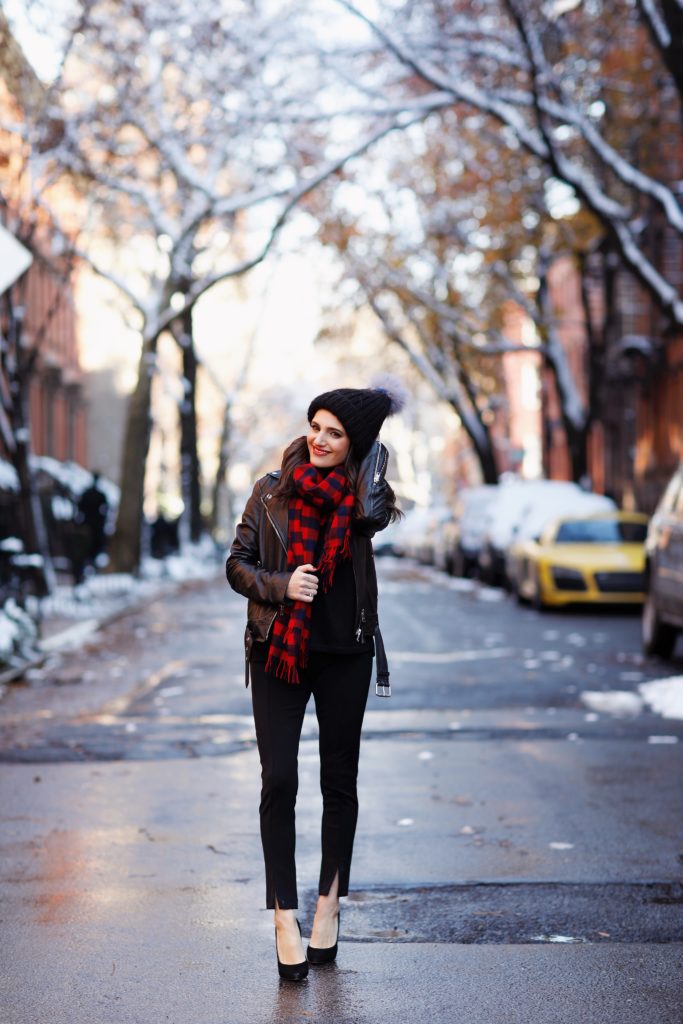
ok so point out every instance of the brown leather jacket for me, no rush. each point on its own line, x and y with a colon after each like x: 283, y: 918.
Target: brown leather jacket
x: 257, y: 563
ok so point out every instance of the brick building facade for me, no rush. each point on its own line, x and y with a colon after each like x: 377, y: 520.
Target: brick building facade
x: 40, y: 305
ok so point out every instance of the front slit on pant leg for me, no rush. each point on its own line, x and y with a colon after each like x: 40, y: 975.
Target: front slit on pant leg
x: 340, y: 687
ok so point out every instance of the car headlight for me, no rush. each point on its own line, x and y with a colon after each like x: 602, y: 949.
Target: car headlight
x: 567, y: 579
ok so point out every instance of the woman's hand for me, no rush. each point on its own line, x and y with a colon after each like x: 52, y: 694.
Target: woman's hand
x: 303, y: 585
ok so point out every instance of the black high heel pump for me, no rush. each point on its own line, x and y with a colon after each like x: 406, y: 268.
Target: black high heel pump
x: 291, y: 972
x: 327, y: 954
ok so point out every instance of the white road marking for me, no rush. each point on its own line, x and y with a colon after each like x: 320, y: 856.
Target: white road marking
x: 446, y: 657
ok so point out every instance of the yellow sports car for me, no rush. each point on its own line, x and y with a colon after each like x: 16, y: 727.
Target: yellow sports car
x: 598, y: 558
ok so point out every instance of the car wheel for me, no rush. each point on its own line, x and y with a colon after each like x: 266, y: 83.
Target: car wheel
x: 658, y: 638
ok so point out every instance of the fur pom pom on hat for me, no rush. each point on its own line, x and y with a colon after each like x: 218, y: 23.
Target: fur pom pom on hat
x: 362, y: 411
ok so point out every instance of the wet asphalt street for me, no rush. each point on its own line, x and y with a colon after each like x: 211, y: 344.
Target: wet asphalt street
x: 519, y: 855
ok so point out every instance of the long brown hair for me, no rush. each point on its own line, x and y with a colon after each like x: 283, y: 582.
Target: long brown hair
x: 297, y: 452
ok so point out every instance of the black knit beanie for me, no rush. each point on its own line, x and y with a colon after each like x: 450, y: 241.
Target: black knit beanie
x: 361, y: 411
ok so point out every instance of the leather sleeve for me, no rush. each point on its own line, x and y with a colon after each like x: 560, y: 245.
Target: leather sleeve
x: 243, y: 568
x: 372, y: 492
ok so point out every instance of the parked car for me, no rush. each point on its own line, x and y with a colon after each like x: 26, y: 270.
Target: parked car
x: 386, y: 542
x: 556, y: 502
x: 663, y: 609
x: 461, y: 536
x: 596, y: 559
x: 416, y: 533
x: 519, y: 500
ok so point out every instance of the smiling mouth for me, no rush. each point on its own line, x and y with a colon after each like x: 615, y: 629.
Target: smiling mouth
x: 320, y: 451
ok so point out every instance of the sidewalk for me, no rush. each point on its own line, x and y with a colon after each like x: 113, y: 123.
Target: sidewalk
x: 72, y: 614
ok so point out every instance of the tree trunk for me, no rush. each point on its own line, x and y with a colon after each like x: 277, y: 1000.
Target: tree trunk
x: 125, y: 547
x: 577, y: 445
x: 480, y: 438
x: 189, y: 456
x: 487, y: 460
x: 220, y: 481
x: 575, y: 416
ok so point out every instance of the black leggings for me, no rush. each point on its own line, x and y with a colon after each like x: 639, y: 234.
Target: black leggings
x: 339, y: 684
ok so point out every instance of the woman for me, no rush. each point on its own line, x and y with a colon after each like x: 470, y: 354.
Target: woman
x: 302, y: 555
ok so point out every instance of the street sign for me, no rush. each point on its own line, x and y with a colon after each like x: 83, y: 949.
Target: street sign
x: 14, y: 259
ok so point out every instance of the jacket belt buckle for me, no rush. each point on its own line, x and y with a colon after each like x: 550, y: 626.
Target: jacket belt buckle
x: 383, y: 689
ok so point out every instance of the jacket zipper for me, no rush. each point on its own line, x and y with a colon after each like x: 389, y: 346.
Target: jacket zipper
x: 272, y: 523
x: 359, y: 631
x: 284, y: 546
x: 378, y: 469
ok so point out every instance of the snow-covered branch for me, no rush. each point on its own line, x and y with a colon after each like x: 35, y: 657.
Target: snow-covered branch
x: 539, y: 140
x: 294, y: 198
x: 448, y: 388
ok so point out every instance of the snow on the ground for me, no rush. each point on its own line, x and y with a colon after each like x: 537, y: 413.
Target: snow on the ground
x: 196, y: 562
x: 74, y: 477
x: 70, y: 638
x: 98, y: 597
x: 101, y: 594
x: 18, y: 634
x: 460, y: 583
x: 613, y: 702
x: 665, y: 696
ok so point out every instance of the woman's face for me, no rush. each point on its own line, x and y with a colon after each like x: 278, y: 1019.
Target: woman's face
x: 328, y: 442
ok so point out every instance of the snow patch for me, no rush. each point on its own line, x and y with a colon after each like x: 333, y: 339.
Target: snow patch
x: 72, y: 637
x: 18, y: 634
x: 665, y: 696
x: 12, y: 545
x: 460, y: 584
x: 613, y: 702
x: 171, y: 691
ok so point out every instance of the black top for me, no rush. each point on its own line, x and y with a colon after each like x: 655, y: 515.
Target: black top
x: 332, y: 618
x: 333, y: 615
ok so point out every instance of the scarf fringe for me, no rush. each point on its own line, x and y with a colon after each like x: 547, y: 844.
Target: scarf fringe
x: 331, y: 556
x: 283, y: 668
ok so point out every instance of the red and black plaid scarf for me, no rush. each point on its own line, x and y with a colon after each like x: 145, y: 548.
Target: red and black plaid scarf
x: 322, y: 504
